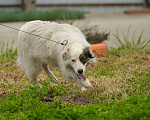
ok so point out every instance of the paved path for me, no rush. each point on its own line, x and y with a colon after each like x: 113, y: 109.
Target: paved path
x: 109, y: 22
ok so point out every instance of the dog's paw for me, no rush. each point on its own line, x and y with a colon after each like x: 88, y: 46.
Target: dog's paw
x: 83, y: 89
x: 37, y: 84
x: 86, y: 83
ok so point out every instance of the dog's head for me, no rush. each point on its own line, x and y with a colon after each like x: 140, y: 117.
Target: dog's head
x: 76, y: 58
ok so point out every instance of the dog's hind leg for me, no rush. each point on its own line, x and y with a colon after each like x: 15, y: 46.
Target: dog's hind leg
x: 48, y: 72
x: 33, y: 78
x: 32, y: 71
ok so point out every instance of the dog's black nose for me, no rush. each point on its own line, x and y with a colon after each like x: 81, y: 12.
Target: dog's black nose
x: 80, y: 71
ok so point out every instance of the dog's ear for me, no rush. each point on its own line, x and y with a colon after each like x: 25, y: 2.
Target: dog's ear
x: 66, y: 54
x: 87, y: 53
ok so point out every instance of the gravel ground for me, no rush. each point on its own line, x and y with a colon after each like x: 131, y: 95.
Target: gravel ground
x: 106, y: 22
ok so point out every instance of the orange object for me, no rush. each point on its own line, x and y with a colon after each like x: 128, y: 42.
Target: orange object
x: 137, y: 11
x: 99, y: 49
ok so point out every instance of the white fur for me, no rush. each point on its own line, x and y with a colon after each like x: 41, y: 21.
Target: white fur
x: 35, y: 53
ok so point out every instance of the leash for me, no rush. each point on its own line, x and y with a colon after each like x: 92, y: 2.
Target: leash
x: 65, y: 42
x: 61, y: 43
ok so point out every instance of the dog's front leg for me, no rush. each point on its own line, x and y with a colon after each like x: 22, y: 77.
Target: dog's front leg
x: 81, y: 87
x: 48, y: 72
x: 83, y: 84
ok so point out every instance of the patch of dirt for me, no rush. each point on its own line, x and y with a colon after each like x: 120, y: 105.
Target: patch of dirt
x: 145, y: 58
x: 71, y: 99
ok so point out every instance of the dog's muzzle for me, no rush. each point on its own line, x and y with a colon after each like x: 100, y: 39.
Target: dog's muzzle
x: 81, y: 75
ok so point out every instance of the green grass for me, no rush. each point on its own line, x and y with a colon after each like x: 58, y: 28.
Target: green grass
x: 128, y: 41
x: 40, y: 15
x: 7, y: 53
x: 121, y: 89
x: 27, y: 106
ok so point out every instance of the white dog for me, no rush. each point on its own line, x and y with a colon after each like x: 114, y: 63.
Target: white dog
x: 36, y: 53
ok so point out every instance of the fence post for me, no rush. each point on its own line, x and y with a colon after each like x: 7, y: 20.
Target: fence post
x: 147, y: 3
x: 22, y: 5
x: 30, y: 5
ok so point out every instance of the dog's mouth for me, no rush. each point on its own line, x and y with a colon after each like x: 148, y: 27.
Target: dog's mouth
x: 82, y: 77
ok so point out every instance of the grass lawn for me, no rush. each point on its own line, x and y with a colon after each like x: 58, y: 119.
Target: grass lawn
x: 56, y: 14
x: 121, y: 90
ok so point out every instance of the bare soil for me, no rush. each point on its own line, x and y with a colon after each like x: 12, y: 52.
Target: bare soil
x: 71, y: 99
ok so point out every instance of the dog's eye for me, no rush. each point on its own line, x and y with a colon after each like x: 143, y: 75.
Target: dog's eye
x: 73, y: 60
